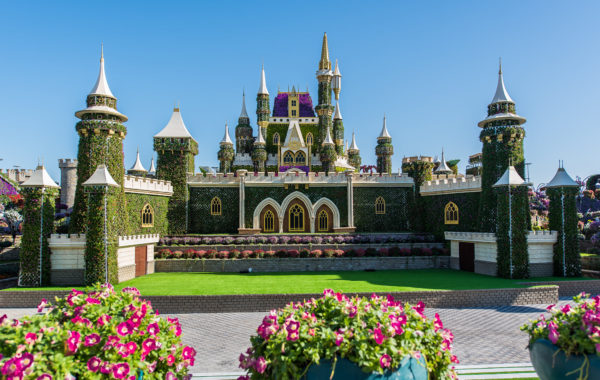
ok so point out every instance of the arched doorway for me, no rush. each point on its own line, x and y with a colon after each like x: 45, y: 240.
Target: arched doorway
x: 296, y: 217
x: 269, y: 220
x: 324, y: 219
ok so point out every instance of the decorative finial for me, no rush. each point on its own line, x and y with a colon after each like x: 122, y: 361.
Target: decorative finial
x: 101, y: 50
x: 500, y: 70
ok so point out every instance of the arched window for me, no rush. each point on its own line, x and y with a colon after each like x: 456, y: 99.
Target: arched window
x: 309, y: 139
x: 323, y: 221
x: 276, y: 138
x: 300, y: 158
x: 147, y: 216
x: 269, y: 221
x: 288, y: 158
x: 215, y: 206
x: 296, y: 219
x: 451, y: 213
x: 379, y: 205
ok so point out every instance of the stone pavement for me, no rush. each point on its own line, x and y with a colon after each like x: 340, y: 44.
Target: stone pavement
x: 482, y: 335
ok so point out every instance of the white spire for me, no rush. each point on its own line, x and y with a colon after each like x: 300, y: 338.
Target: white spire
x: 152, y: 168
x: 262, y: 89
x: 353, y: 145
x: 101, y: 177
x: 443, y: 166
x: 260, y: 138
x: 244, y: 114
x: 328, y: 139
x: 138, y: 167
x: 337, y: 114
x: 101, y: 86
x: 501, y: 93
x: 337, y: 69
x: 384, y: 132
x: 226, y: 138
x: 175, y: 127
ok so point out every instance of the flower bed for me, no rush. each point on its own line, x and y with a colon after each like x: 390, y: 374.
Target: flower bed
x: 375, y: 333
x: 99, y: 334
x: 190, y: 253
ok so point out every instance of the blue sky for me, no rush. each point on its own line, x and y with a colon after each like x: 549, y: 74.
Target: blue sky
x: 430, y: 66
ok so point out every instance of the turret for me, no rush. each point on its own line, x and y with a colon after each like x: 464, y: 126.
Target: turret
x: 324, y: 76
x: 336, y: 83
x: 338, y: 130
x: 328, y: 154
x: 262, y: 104
x: 243, y: 131
x: 259, y: 154
x: 354, y: 154
x: 226, y: 153
x: 384, y: 150
x: 137, y: 168
x: 443, y: 167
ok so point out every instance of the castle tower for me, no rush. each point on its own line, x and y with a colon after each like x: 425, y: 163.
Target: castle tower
x: 137, y: 168
x: 328, y: 155
x: 226, y: 153
x: 324, y: 75
x: 259, y: 154
x: 502, y: 138
x: 262, y: 104
x: 176, y: 149
x: 384, y: 150
x: 443, y: 167
x: 101, y: 133
x: 338, y: 130
x: 68, y: 181
x: 243, y: 131
x: 354, y: 154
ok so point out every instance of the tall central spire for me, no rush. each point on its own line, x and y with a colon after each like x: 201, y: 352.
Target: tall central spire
x: 101, y: 86
x: 501, y: 93
x: 325, y: 63
x: 262, y: 89
x: 244, y: 114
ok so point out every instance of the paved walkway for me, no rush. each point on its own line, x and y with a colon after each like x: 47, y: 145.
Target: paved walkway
x: 482, y: 335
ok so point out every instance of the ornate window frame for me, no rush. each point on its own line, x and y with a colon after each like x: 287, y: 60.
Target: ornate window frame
x: 269, y: 221
x: 216, y: 206
x: 300, y: 218
x: 292, y: 159
x: 451, y: 213
x: 297, y: 158
x: 379, y: 205
x: 147, y: 215
x: 323, y: 221
x: 276, y: 138
x: 309, y: 138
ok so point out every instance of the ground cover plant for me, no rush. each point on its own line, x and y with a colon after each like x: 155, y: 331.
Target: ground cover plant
x: 375, y: 333
x: 99, y: 334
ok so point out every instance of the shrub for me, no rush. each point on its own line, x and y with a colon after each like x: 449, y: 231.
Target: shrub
x: 339, y: 240
x: 93, y: 336
x: 416, y: 251
x: 293, y: 253
x: 328, y: 253
x: 240, y: 240
x: 383, y: 252
x: 371, y: 252
x: 360, y: 252
x: 304, y: 252
x: 207, y: 240
x: 189, y: 253
x: 262, y: 239
x: 217, y: 240
x: 269, y: 254
x: 251, y: 240
x: 235, y: 254
x: 405, y: 252
x: 338, y: 253
x: 211, y: 253
x: 394, y: 251
x: 284, y: 239
x: 307, y: 239
x: 228, y: 240
x: 246, y: 254
x: 328, y: 240
x: 223, y: 255
x: 426, y: 252
x: 348, y: 239
x: 273, y: 240
x: 177, y: 254
x: 316, y: 253
x: 163, y: 253
x: 281, y: 253
x: 296, y: 239
x: 200, y: 254
x: 317, y: 240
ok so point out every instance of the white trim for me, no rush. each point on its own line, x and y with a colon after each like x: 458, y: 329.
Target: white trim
x: 264, y: 203
x: 327, y: 202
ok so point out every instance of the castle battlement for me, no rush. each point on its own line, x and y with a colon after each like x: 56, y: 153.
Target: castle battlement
x: 144, y: 185
x: 451, y: 185
x: 67, y: 163
x: 17, y: 175
x: 417, y: 158
x: 129, y: 240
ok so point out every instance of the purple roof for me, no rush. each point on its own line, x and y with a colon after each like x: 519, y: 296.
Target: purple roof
x: 280, y: 107
x: 6, y: 188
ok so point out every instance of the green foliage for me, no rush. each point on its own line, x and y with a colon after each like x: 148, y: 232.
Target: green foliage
x: 95, y: 245
x: 397, y: 206
x: 568, y: 231
x: 520, y: 227
x: 201, y: 220
x: 434, y: 207
x: 160, y: 205
x: 30, y: 243
x: 419, y: 171
x: 173, y: 165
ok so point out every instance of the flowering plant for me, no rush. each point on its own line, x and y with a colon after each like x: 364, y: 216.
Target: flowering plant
x: 573, y: 329
x: 100, y: 334
x: 376, y: 333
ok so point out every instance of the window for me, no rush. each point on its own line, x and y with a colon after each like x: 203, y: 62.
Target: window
x: 309, y: 139
x: 451, y: 213
x: 147, y: 216
x: 276, y: 139
x: 293, y: 103
x: 379, y: 205
x: 300, y: 158
x: 215, y: 206
x: 269, y: 221
x: 296, y: 219
x: 293, y: 112
x: 323, y: 221
x: 288, y: 158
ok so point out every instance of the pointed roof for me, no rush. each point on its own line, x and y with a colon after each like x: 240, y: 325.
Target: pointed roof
x: 226, y: 138
x: 244, y: 114
x: 510, y: 177
x: 260, y: 139
x: 325, y: 63
x: 262, y: 89
x: 336, y: 72
x: 152, y: 168
x: 443, y: 166
x: 138, y: 167
x: 353, y: 145
x: 501, y: 94
x: 294, y: 135
x: 101, y: 177
x: 384, y: 132
x: 175, y: 127
x: 337, y: 114
x: 101, y: 86
x: 328, y: 140
x: 40, y: 178
x: 562, y: 179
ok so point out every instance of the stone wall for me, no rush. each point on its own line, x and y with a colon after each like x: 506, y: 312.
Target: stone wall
x: 68, y: 181
x: 67, y: 261
x: 276, y: 247
x: 570, y: 288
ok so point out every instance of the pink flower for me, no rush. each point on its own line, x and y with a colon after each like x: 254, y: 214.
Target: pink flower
x: 293, y: 326
x: 92, y: 340
x: 131, y: 290
x: 103, y: 319
x: 311, y: 332
x: 339, y: 338
x: 245, y: 377
x: 11, y: 367
x: 385, y: 361
x: 170, y: 360
x: 550, y: 307
x: 124, y: 328
x: 419, y: 308
x: 131, y: 347
x: 151, y: 367
x: 454, y: 359
x: 260, y: 365
x: 44, y: 376
x: 437, y: 323
x: 188, y: 353
x: 120, y: 370
x: 105, y: 367
x: 24, y: 360
x: 378, y: 336
x: 42, y: 305
x: 553, y: 334
x: 94, y: 364
x: 30, y: 338
x: 292, y: 336
x: 153, y: 329
x: 73, y: 341
x: 92, y: 301
x: 565, y: 309
x: 170, y: 376
x: 149, y: 344
x: 111, y: 341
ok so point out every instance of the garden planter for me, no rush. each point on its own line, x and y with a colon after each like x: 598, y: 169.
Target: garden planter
x: 552, y: 365
x: 410, y: 369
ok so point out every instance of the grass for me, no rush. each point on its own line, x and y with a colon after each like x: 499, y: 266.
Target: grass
x: 312, y: 282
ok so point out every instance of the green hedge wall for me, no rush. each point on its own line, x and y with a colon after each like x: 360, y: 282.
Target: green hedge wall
x: 434, y: 210
x: 282, y: 130
x: 160, y: 204
x: 571, y: 242
x: 200, y: 219
x: 173, y: 165
x: 520, y: 226
x: 397, y: 209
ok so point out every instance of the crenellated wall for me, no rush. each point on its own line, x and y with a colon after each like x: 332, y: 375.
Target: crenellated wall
x: 150, y: 186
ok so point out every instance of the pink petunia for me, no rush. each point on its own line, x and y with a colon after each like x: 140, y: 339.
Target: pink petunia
x: 42, y: 305
x: 151, y: 367
x: 94, y: 364
x: 44, y: 376
x: 188, y: 353
x: 124, y: 328
x: 378, y: 336
x: 73, y: 341
x: 149, y: 344
x: 385, y: 361
x: 170, y: 376
x: 120, y: 370
x: 170, y: 360
x: 260, y: 365
x: 30, y: 338
x: 92, y: 340
x: 131, y: 347
x: 292, y: 336
x: 92, y: 301
x: 153, y: 329
x: 339, y: 338
x: 437, y: 322
x: 103, y: 319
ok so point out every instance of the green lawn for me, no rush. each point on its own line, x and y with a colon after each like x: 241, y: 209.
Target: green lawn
x: 311, y: 282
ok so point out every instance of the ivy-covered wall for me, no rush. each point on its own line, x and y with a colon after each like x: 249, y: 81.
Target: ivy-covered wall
x: 159, y: 204
x: 282, y: 130
x: 200, y: 219
x: 397, y: 209
x: 434, y: 211
x: 518, y: 255
x: 567, y: 231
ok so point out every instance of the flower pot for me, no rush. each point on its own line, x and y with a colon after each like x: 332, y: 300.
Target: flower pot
x: 410, y: 369
x: 552, y: 365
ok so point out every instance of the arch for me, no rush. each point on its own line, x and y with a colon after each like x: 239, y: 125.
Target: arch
x: 296, y: 217
x: 451, y: 213
x: 256, y: 217
x: 380, y: 205
x: 215, y: 206
x: 302, y: 197
x: 323, y: 220
x: 300, y: 158
x: 309, y: 139
x: 276, y: 138
x: 332, y: 207
x: 147, y: 215
x: 269, y: 219
x: 288, y: 158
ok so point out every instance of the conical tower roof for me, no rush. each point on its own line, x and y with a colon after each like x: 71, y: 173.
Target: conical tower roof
x: 337, y: 114
x: 101, y: 86
x: 138, y: 167
x: 501, y: 94
x: 101, y: 177
x: 244, y: 113
x: 262, y: 89
x: 384, y: 132
x: 324, y: 63
x: 336, y: 71
x: 501, y: 112
x: 562, y: 179
x: 353, y: 145
x: 260, y: 139
x: 152, y: 168
x: 328, y: 140
x: 175, y: 127
x: 443, y: 166
x: 510, y: 177
x: 226, y: 138
x: 40, y: 178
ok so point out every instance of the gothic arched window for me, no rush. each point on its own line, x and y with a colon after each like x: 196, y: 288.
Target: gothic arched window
x: 309, y: 139
x: 379, y: 205
x: 323, y: 221
x: 147, y: 216
x: 296, y: 219
x: 276, y: 139
x: 288, y: 158
x: 215, y: 206
x: 269, y: 221
x: 451, y: 213
x: 300, y: 158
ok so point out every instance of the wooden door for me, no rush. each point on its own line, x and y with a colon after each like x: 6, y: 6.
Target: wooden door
x: 141, y: 253
x: 466, y: 254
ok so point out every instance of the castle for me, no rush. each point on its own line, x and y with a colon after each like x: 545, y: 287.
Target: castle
x: 295, y: 174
